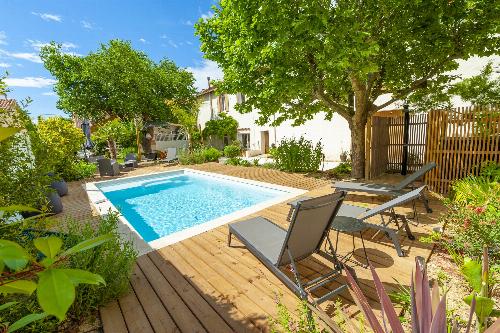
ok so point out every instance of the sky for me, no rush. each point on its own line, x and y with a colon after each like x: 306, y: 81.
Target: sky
x: 160, y: 28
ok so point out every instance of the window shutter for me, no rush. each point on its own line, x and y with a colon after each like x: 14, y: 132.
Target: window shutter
x: 219, y: 103
x: 227, y: 103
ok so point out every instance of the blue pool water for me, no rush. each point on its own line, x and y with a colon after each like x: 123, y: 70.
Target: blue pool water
x: 159, y: 205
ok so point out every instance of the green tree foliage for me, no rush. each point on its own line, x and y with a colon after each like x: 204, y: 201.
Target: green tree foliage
x: 117, y: 81
x: 188, y: 119
x: 481, y: 90
x: 3, y: 86
x: 295, y: 59
x: 225, y: 125
x: 112, y: 132
x: 298, y: 155
x: 62, y: 141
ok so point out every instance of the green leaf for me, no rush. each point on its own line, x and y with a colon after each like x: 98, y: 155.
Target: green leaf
x: 26, y: 320
x: 26, y: 287
x: 55, y: 292
x: 471, y: 270
x: 484, y: 306
x: 49, y: 246
x: 78, y: 276
x: 88, y: 244
x: 6, y: 132
x: 13, y: 255
x: 47, y: 262
x: 18, y: 208
x: 2, y: 266
x: 7, y: 305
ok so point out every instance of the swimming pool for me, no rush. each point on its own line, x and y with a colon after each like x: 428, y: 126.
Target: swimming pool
x: 166, y: 207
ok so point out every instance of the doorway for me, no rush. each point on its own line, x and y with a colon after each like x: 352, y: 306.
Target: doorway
x: 264, y: 142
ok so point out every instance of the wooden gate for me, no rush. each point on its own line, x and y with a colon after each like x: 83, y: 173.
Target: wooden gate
x: 458, y: 140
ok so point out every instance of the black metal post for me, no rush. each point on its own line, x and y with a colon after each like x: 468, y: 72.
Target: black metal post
x: 406, y: 126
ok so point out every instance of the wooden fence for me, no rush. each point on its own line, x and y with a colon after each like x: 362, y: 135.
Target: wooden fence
x: 458, y: 140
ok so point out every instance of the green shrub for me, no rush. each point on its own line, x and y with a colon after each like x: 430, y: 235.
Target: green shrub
x: 197, y: 156
x: 62, y: 141
x: 79, y: 170
x: 232, y: 151
x: 238, y: 161
x: 112, y: 260
x: 298, y: 155
x: 341, y: 171
x: 224, y: 126
x: 212, y: 154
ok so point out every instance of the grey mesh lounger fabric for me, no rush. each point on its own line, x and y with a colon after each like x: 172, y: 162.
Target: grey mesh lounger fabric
x: 387, y: 189
x: 277, y: 248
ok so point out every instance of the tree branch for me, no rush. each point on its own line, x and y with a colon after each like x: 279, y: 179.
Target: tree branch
x: 319, y: 91
x: 416, y: 84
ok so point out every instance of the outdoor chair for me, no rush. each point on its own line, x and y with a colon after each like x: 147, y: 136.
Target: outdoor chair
x: 171, y: 156
x: 108, y: 167
x: 280, y: 249
x: 131, y: 160
x: 352, y: 218
x: 391, y: 190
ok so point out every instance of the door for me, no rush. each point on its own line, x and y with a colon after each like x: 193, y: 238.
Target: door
x: 264, y: 142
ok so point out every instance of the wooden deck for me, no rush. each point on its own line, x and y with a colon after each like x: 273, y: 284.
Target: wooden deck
x: 202, y: 285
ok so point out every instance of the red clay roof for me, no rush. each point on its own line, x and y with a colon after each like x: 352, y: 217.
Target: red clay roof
x: 8, y: 104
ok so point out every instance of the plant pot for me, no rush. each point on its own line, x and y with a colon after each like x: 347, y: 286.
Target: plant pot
x: 60, y: 186
x: 55, y: 205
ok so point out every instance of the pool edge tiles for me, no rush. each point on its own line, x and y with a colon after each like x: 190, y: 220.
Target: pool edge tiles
x: 103, y: 205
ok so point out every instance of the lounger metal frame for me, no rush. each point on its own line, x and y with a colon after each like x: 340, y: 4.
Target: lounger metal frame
x: 303, y: 289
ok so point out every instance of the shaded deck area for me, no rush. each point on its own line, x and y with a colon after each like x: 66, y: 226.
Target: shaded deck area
x: 202, y: 285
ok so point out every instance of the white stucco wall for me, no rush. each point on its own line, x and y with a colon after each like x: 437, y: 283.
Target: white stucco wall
x: 334, y: 135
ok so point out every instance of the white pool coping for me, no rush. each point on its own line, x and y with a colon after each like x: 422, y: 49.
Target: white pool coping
x: 103, y: 206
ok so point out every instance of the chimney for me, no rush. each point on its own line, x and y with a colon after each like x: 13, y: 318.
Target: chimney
x: 208, y: 79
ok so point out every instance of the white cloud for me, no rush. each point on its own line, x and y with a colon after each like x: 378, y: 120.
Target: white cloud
x: 49, y: 93
x: 29, y: 82
x: 87, y: 25
x: 206, y: 69
x: 207, y: 15
x: 37, y: 45
x: 188, y: 22
x: 33, y: 57
x: 142, y: 40
x: 189, y: 42
x: 3, y: 38
x: 172, y: 43
x: 4, y: 65
x: 48, y: 17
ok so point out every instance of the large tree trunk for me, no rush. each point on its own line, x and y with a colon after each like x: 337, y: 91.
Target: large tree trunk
x: 357, y: 126
x: 112, y: 148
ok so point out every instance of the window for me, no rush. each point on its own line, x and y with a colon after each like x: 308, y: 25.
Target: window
x: 240, y: 98
x: 223, y: 103
x: 244, y: 138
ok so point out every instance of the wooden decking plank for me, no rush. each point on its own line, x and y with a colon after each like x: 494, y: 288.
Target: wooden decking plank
x: 209, y: 318
x: 264, y: 301
x: 180, y: 313
x: 112, y: 318
x: 133, y: 313
x: 158, y: 316
x: 219, y: 301
x: 228, y: 292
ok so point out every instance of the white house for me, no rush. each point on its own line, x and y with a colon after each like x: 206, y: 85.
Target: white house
x: 334, y: 135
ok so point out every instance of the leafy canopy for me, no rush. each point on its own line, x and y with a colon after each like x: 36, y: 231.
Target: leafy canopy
x: 482, y: 89
x: 225, y: 125
x: 117, y: 81
x: 295, y: 59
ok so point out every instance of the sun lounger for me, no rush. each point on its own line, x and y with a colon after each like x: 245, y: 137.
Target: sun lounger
x: 353, y: 215
x: 387, y: 189
x: 278, y: 249
x: 108, y: 167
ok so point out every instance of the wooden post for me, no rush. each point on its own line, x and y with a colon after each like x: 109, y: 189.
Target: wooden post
x: 406, y: 127
x: 137, y: 139
x: 368, y: 147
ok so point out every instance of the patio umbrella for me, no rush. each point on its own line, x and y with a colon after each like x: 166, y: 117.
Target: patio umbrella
x: 86, y: 130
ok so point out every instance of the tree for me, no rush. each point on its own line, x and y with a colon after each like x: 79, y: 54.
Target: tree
x: 117, y: 81
x: 295, y: 59
x: 482, y: 89
x: 188, y: 119
x: 3, y: 86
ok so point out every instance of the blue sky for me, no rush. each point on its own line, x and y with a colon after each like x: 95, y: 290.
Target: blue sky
x: 160, y: 28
